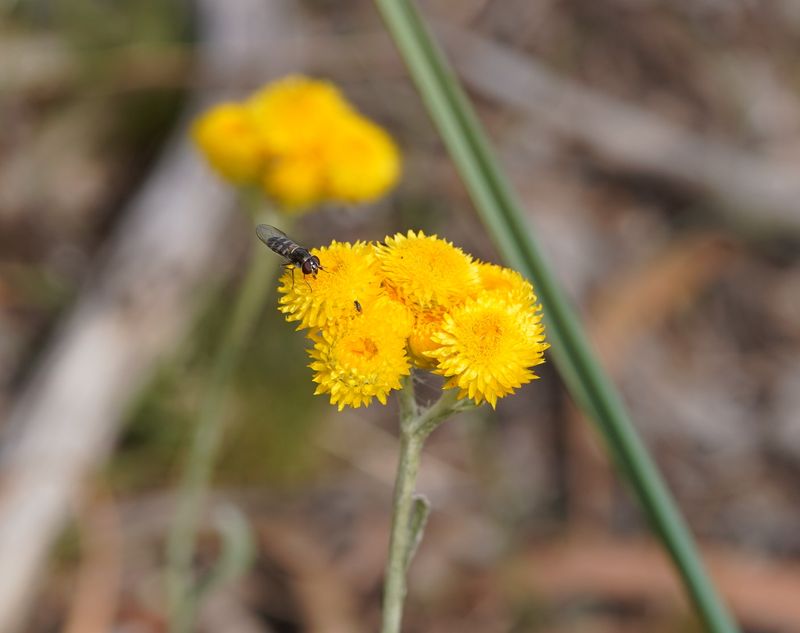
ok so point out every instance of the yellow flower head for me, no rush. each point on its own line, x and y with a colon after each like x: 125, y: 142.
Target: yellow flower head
x: 349, y: 274
x: 395, y: 313
x: 420, y: 342
x: 427, y: 271
x: 375, y: 310
x: 227, y: 138
x: 506, y: 284
x: 295, y: 182
x: 362, y: 160
x: 358, y: 359
x: 487, y: 347
x: 294, y: 115
x: 303, y: 142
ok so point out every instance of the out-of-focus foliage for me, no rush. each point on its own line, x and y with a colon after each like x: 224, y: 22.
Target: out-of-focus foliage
x: 89, y: 93
x: 270, y: 420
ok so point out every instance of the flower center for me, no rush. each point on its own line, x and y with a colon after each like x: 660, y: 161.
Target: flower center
x: 364, y: 347
x: 487, y: 333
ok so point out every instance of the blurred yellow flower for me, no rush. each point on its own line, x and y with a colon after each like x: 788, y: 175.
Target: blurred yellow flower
x: 294, y: 182
x: 227, y: 137
x: 363, y: 161
x: 359, y: 359
x: 296, y: 114
x: 487, y: 347
x: 302, y: 142
x: 426, y: 270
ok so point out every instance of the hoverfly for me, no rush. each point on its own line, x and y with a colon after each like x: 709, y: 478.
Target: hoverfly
x: 290, y: 250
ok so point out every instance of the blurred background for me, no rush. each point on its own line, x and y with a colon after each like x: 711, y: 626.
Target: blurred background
x: 655, y: 147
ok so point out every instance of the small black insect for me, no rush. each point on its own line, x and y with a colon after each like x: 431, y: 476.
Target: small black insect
x: 357, y: 305
x: 284, y: 246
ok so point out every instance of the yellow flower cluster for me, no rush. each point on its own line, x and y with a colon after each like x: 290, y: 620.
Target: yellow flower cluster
x: 374, y: 311
x: 302, y: 142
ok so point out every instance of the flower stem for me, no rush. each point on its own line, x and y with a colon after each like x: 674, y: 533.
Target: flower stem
x: 395, y: 587
x: 407, y: 400
x: 424, y: 424
x: 409, y: 511
x: 181, y: 589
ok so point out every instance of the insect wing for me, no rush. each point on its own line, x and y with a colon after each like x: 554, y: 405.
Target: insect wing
x: 265, y: 232
x: 277, y: 241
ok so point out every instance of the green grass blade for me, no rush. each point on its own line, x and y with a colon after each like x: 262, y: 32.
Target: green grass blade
x: 501, y: 213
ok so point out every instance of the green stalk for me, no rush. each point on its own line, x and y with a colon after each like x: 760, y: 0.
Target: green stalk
x: 394, y: 591
x: 588, y: 383
x: 409, y: 512
x: 182, y: 591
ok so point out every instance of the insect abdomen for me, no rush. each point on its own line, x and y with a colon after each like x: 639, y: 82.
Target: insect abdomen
x: 281, y: 245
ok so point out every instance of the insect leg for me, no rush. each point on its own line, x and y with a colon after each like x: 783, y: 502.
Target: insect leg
x: 287, y: 265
